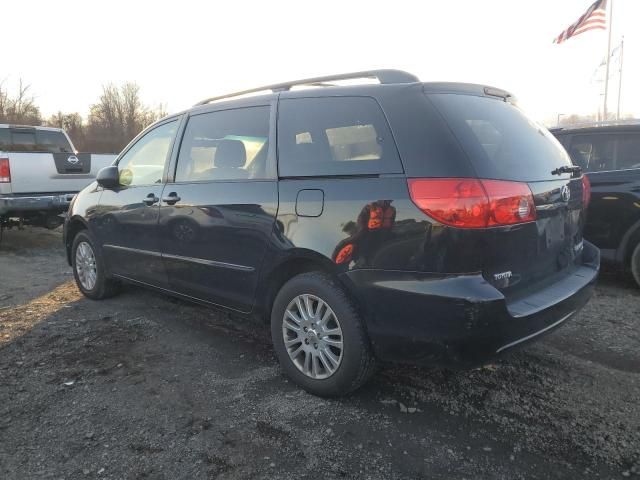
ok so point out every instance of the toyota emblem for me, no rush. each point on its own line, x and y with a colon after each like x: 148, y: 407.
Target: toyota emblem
x: 73, y: 159
x: 565, y: 193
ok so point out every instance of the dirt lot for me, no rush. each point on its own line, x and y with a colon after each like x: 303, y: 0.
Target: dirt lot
x: 145, y: 387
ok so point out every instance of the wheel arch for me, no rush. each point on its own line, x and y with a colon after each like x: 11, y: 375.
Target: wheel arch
x: 629, y: 241
x: 74, y: 225
x: 295, y: 263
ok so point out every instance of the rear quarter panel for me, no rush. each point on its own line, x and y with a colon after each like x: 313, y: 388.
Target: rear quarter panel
x: 343, y: 221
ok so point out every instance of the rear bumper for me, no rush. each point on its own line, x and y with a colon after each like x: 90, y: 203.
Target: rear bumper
x: 463, y: 321
x: 15, y: 205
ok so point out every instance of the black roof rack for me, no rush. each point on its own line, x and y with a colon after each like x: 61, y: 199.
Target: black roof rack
x: 383, y: 76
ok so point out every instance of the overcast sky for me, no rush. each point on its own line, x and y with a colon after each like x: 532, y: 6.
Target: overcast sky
x: 182, y: 51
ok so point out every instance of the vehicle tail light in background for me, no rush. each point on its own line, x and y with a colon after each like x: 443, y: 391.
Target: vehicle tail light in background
x: 586, y: 191
x: 5, y: 170
x: 473, y: 203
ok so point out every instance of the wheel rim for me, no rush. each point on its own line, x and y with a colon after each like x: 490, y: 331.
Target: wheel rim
x: 86, y: 265
x: 312, y: 336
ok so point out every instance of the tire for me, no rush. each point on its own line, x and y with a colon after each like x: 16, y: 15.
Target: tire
x: 337, y: 313
x: 101, y: 287
x: 635, y: 264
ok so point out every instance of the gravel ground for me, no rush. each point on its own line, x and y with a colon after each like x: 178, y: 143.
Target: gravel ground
x: 142, y: 386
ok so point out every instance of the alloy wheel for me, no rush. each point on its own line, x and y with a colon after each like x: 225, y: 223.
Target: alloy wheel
x: 312, y: 336
x: 86, y: 266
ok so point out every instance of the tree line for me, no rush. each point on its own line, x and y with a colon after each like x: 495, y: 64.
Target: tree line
x: 117, y: 117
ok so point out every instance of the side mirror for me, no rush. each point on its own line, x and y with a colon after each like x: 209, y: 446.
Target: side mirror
x: 108, y: 177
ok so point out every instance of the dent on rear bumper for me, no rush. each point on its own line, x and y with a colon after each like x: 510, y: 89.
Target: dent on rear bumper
x: 462, y: 320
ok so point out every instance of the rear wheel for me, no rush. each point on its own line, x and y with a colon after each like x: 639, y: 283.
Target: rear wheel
x: 635, y: 264
x: 89, y: 270
x: 319, y: 336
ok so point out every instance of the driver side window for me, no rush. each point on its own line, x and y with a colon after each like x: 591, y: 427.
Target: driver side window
x: 144, y: 162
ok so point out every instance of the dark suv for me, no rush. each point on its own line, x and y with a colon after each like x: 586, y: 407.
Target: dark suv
x: 610, y: 155
x: 401, y: 221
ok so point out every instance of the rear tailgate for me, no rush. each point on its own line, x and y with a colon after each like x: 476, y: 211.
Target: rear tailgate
x: 54, y: 172
x: 502, y: 143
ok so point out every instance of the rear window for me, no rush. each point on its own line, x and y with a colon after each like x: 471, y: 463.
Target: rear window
x: 5, y: 138
x: 499, y: 139
x: 52, y: 141
x: 605, y: 152
x: 32, y: 140
x: 334, y: 136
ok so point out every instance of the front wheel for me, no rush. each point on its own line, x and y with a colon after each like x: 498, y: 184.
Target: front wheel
x: 635, y: 264
x: 89, y: 270
x: 319, y: 337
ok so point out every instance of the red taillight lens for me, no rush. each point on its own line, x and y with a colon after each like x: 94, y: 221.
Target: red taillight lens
x: 586, y: 191
x: 5, y: 171
x: 458, y: 202
x: 345, y: 254
x: 473, y: 203
x: 509, y: 202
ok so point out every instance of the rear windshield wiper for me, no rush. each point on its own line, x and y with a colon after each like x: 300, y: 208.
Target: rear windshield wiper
x: 573, y: 169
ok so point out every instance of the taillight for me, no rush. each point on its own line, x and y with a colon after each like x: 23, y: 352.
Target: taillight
x: 586, y: 191
x: 473, y: 203
x: 345, y: 254
x: 5, y: 171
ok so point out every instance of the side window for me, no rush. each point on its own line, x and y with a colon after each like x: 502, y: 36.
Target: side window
x: 628, y: 151
x: 334, y: 136
x: 594, y: 153
x: 225, y: 145
x: 144, y: 162
x: 23, y: 140
x: 5, y: 138
x: 52, y: 141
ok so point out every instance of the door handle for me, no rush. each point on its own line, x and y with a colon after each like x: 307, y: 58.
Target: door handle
x: 171, y: 199
x: 150, y: 199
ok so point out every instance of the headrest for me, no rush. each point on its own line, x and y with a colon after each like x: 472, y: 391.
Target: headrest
x: 230, y: 154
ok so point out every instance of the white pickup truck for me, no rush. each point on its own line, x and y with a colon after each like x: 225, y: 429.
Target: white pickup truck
x: 40, y: 172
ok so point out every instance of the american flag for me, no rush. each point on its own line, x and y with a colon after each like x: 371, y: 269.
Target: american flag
x: 594, y: 18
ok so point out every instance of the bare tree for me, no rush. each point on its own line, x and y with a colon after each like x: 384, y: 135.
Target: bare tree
x: 117, y: 117
x: 4, y: 103
x: 19, y: 109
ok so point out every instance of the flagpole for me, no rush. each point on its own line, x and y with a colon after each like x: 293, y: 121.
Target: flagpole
x: 620, y: 77
x: 606, y: 78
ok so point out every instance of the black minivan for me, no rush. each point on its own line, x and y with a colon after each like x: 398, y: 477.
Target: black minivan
x: 401, y: 221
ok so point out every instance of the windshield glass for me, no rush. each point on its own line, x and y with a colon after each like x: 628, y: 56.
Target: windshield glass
x: 501, y: 141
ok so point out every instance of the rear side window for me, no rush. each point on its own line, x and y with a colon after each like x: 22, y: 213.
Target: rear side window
x: 605, y: 152
x: 225, y: 145
x: 628, y: 152
x: 334, y: 136
x: 32, y: 140
x: 52, y: 141
x: 23, y: 141
x: 500, y: 140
